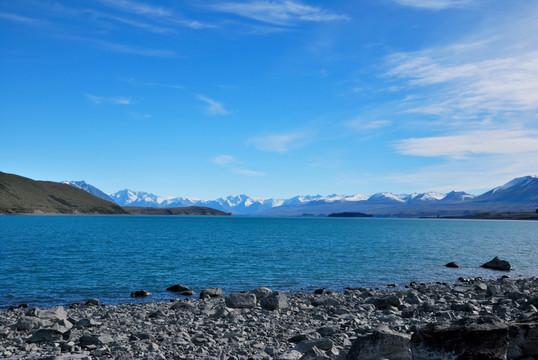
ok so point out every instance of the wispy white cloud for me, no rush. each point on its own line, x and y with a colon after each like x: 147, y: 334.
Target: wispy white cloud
x: 135, y: 82
x: 213, y: 107
x: 248, y: 172
x: 20, y: 19
x: 280, y: 143
x: 109, y: 100
x: 128, y: 49
x: 138, y: 7
x: 435, y: 4
x: 361, y: 124
x: 501, y: 141
x: 224, y: 160
x: 281, y: 12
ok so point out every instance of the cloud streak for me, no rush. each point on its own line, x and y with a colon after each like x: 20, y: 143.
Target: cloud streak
x: 99, y: 100
x: 280, y: 143
x: 213, y: 107
x: 435, y: 4
x: 278, y: 12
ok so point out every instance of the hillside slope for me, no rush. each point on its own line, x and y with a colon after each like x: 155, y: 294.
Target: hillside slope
x: 20, y: 195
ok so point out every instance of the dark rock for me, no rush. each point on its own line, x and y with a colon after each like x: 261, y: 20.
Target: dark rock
x: 89, y: 340
x: 319, y: 291
x: 452, y: 264
x: 386, y: 301
x: 307, y: 345
x: 211, y: 292
x: 314, y: 354
x: 277, y: 300
x: 497, y: 264
x: 327, y: 331
x: 262, y: 292
x: 46, y: 335
x: 92, y: 302
x: 178, y: 288
x: 383, y: 343
x: 140, y: 293
x: 30, y: 322
x: 467, y: 341
x: 187, y: 293
x: 241, y: 300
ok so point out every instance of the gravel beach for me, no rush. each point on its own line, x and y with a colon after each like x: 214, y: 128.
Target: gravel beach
x: 469, y: 319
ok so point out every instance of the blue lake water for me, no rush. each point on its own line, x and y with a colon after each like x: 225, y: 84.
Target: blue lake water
x: 46, y: 260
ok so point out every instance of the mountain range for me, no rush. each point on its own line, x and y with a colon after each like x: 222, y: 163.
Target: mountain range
x: 518, y: 195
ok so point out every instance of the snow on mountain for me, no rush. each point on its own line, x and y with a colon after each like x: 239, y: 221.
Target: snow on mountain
x: 457, y: 196
x: 522, y: 189
x: 89, y: 188
x: 386, y: 197
x: 424, y: 197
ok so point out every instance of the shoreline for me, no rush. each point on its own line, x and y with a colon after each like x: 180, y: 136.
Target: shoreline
x: 262, y: 324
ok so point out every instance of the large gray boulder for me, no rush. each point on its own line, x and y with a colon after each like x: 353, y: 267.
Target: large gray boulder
x: 262, y: 292
x: 241, y: 300
x: 497, y: 264
x: 54, y: 314
x: 210, y: 293
x: 277, y: 300
x: 383, y: 343
x: 467, y: 341
x: 386, y: 301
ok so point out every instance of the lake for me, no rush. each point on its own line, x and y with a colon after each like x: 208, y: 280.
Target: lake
x: 49, y: 260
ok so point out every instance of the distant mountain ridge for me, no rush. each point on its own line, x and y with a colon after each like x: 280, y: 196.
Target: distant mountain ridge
x: 520, y: 194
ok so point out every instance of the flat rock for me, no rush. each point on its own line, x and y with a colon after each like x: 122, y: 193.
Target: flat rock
x: 241, y: 300
x: 178, y: 288
x: 452, y: 264
x: 383, y: 343
x: 210, y: 292
x: 54, y: 314
x: 497, y: 264
x: 262, y: 292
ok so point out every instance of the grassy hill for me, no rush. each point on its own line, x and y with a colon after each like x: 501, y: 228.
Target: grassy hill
x: 189, y: 210
x: 20, y: 195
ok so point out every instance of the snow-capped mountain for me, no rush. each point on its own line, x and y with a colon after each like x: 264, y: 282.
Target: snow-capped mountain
x: 520, y: 194
x: 89, y: 188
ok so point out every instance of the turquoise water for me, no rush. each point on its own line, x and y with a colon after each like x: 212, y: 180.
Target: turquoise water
x: 47, y: 260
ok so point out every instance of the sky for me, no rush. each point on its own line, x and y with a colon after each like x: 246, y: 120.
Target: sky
x: 270, y: 98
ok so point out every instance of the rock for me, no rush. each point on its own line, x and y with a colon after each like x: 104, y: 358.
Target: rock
x: 319, y: 291
x: 86, y: 323
x: 383, y: 343
x: 92, y: 302
x: 452, y: 264
x: 178, y: 288
x: 241, y: 300
x: 211, y: 292
x: 314, y: 354
x: 262, y: 292
x: 140, y: 293
x: 497, y: 264
x: 30, y: 322
x: 97, y: 340
x: 46, y: 335
x: 386, y: 301
x: 468, y: 341
x: 307, y: 345
x: 187, y: 293
x: 290, y: 355
x: 327, y: 331
x: 54, y: 314
x: 277, y: 300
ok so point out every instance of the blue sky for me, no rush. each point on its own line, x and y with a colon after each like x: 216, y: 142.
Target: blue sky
x: 270, y: 98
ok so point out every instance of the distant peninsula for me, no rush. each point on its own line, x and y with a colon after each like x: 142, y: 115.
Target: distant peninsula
x: 349, y: 215
x: 189, y: 210
x: 498, y: 216
x: 21, y: 195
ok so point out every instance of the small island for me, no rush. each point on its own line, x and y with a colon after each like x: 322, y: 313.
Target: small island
x: 349, y: 215
x: 189, y: 210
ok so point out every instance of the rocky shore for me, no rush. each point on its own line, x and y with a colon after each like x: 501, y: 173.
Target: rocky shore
x: 470, y: 319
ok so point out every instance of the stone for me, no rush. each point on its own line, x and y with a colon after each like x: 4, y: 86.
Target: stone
x: 314, y: 354
x: 319, y: 291
x: 262, y: 292
x: 386, y: 301
x: 92, y: 302
x: 54, y: 314
x: 30, y: 322
x: 383, y: 343
x: 241, y: 300
x: 467, y: 341
x: 187, y: 293
x: 307, y: 345
x: 140, y: 293
x: 210, y: 293
x: 46, y: 335
x: 497, y: 264
x: 290, y: 355
x: 178, y: 288
x: 277, y: 300
x: 452, y: 264
x: 97, y: 340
